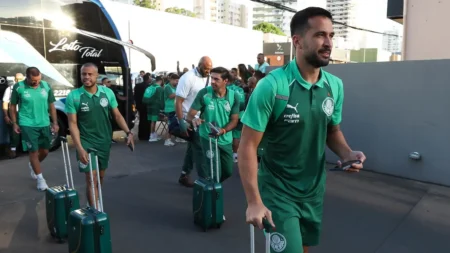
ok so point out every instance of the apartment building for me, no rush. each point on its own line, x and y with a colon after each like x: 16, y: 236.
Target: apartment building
x: 280, y: 18
x: 367, y: 14
x: 231, y: 12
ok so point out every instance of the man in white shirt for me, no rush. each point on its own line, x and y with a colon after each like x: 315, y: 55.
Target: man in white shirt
x: 14, y: 138
x: 188, y: 87
x: 262, y: 64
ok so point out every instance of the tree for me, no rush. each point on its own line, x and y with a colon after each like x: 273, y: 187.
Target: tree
x: 151, y: 4
x: 268, y: 28
x: 180, y: 11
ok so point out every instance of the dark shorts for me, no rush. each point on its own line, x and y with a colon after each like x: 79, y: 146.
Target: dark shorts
x: 35, y: 138
x: 103, y: 158
x: 153, y: 113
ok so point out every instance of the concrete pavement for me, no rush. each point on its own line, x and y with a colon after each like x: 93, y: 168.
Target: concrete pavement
x: 150, y: 212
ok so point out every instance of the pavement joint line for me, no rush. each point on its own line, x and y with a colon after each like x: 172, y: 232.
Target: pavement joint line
x: 402, y: 220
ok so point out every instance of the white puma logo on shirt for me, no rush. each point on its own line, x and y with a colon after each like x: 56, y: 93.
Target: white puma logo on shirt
x: 292, y: 107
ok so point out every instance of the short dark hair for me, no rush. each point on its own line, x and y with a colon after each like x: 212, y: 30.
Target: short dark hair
x: 224, y: 73
x: 299, y: 22
x: 147, y: 77
x: 158, y: 78
x: 104, y: 78
x: 174, y: 76
x: 234, y: 69
x: 258, y: 74
x: 32, y: 71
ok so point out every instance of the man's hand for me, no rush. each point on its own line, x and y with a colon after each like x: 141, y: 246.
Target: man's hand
x: 256, y: 213
x: 55, y: 128
x: 8, y: 120
x: 83, y: 156
x: 16, y: 128
x: 197, y: 122
x: 130, y: 140
x: 353, y: 155
x: 183, y: 126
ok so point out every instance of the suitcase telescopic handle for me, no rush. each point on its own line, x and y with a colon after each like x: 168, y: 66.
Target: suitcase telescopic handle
x: 252, y: 240
x: 93, y: 153
x: 67, y: 163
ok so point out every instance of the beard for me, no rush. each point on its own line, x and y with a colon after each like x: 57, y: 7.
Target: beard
x: 315, y: 60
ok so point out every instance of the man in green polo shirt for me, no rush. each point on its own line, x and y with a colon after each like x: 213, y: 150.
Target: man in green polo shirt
x: 89, y: 110
x: 169, y: 102
x: 153, y: 98
x: 298, y: 109
x: 237, y: 130
x: 35, y: 99
x: 220, y: 106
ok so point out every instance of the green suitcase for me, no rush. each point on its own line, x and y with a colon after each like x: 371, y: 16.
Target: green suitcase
x: 208, y: 198
x: 89, y: 229
x: 61, y: 200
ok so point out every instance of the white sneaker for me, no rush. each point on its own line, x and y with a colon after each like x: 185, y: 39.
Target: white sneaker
x: 153, y: 139
x: 224, y: 217
x: 180, y: 140
x: 169, y: 143
x: 41, y: 185
x: 33, y: 175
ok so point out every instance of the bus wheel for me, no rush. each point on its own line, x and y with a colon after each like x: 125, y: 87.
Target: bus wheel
x: 56, y: 143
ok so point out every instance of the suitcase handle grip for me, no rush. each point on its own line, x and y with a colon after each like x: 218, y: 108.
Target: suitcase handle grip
x: 63, y: 139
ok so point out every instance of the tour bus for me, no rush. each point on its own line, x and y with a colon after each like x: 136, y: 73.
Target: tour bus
x: 58, y: 36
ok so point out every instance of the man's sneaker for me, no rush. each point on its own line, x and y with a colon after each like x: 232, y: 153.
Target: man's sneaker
x: 180, y: 140
x: 169, y: 143
x: 41, y: 185
x: 33, y: 175
x: 154, y: 137
x: 235, y: 156
x: 224, y: 218
x: 185, y: 180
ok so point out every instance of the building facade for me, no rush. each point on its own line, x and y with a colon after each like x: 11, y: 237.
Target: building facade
x: 280, y: 18
x: 231, y: 12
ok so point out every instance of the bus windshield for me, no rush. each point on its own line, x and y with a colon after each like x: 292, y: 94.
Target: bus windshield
x: 58, y: 36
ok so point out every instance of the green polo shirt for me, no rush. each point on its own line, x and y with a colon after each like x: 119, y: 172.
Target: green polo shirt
x: 241, y: 94
x: 93, y: 114
x: 169, y: 103
x: 33, y: 103
x: 294, y: 158
x: 216, y: 109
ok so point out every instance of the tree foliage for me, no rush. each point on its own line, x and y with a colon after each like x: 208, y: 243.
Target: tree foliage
x: 151, y: 4
x: 180, y: 11
x: 268, y: 28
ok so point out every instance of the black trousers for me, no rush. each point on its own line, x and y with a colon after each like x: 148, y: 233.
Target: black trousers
x: 144, y: 124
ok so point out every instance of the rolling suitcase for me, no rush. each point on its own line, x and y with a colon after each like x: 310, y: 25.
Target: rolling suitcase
x: 61, y: 200
x: 208, y: 197
x: 89, y: 230
x: 252, y: 240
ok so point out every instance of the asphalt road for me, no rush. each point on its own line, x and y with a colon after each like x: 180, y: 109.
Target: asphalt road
x: 150, y: 212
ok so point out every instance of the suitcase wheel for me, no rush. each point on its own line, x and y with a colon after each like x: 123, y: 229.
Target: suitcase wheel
x: 218, y: 226
x: 205, y: 229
